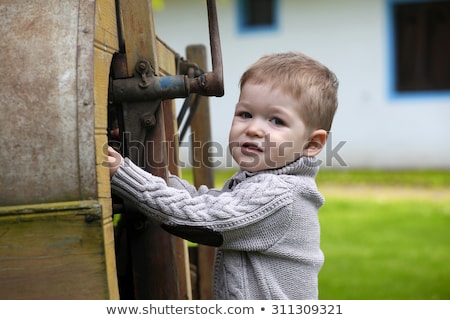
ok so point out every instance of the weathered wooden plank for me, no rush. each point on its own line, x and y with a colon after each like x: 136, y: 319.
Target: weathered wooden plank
x: 48, y: 250
x: 52, y: 251
x: 106, y: 43
x: 167, y: 66
x: 106, y: 37
x: 138, y: 32
x: 166, y: 58
x: 203, y: 172
x: 157, y: 257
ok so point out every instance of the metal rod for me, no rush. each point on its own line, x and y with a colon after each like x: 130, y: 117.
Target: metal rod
x: 214, y: 40
x: 211, y: 83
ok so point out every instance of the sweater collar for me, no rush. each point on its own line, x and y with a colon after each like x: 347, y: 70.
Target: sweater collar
x: 305, y: 166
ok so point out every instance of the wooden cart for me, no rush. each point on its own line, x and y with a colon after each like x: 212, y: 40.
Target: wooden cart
x: 60, y: 59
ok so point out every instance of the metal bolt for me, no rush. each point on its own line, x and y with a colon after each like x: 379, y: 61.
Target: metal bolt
x: 149, y: 120
x: 142, y: 65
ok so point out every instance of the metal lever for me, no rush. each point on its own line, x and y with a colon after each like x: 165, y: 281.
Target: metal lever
x: 145, y: 86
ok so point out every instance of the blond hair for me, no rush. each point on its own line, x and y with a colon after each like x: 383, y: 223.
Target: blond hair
x: 305, y: 79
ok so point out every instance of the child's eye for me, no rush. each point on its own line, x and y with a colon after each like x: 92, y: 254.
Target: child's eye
x: 277, y: 122
x: 245, y: 115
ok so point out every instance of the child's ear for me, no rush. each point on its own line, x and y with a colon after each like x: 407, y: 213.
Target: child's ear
x: 315, y: 143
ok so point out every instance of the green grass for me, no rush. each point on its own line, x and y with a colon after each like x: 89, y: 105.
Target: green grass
x: 410, y: 178
x: 396, y: 249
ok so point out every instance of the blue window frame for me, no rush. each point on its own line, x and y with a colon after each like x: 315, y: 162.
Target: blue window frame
x: 419, y: 48
x: 257, y: 16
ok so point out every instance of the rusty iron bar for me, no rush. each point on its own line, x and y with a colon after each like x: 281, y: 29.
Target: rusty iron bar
x: 132, y: 90
x: 211, y: 83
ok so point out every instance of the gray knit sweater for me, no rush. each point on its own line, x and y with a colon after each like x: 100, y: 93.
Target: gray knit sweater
x: 268, y: 220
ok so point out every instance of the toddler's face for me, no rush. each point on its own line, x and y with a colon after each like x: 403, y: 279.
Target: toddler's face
x: 267, y: 131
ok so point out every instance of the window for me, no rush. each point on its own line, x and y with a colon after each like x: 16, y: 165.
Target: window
x: 257, y: 15
x: 421, y: 32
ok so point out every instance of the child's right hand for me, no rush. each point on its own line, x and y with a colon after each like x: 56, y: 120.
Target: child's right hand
x: 115, y: 160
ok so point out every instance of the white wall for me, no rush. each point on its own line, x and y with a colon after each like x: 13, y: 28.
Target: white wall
x: 351, y: 37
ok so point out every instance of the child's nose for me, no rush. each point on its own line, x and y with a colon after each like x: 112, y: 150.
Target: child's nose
x: 256, y: 129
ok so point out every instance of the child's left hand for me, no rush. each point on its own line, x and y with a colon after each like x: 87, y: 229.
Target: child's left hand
x: 115, y: 160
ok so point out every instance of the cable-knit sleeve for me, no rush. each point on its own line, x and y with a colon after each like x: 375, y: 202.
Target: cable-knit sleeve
x: 178, y: 183
x: 246, y: 204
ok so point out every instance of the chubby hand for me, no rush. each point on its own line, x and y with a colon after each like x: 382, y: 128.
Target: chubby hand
x: 115, y: 160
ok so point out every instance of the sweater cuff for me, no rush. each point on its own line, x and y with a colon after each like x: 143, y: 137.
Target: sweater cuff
x: 134, y: 179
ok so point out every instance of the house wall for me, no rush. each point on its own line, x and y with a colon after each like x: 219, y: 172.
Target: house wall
x: 373, y: 127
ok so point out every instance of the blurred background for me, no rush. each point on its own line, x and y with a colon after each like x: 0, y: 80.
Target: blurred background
x: 390, y: 56
x: 386, y: 169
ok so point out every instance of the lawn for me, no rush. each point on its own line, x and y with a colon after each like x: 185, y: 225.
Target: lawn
x: 383, y: 247
x: 392, y: 249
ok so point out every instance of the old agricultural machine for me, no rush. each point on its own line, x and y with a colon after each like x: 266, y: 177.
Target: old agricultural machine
x: 78, y: 76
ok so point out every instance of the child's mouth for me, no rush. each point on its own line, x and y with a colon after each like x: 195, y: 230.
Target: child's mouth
x: 250, y: 148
